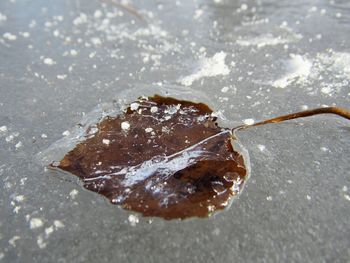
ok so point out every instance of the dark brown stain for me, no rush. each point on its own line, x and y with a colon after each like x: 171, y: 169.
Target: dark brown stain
x: 173, y: 162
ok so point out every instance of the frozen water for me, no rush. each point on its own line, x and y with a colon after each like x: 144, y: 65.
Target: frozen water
x: 59, y: 59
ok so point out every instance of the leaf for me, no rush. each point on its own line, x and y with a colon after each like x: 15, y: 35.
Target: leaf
x: 162, y: 157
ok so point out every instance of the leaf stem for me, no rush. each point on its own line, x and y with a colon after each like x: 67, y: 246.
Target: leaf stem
x: 328, y: 110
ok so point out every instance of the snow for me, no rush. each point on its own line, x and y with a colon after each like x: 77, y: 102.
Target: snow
x: 49, y: 61
x: 125, y: 125
x: 9, y: 36
x: 248, y: 121
x: 35, y: 223
x: 133, y: 220
x: 297, y: 68
x: 208, y: 67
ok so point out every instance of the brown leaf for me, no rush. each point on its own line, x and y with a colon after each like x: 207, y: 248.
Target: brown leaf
x: 162, y: 157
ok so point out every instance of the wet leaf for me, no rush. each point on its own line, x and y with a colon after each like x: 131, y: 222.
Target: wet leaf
x: 162, y: 157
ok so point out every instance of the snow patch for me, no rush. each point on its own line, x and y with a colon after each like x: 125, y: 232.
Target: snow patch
x: 208, y: 67
x: 297, y: 68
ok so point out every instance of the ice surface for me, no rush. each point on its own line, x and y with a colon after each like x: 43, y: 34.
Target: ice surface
x: 120, y: 57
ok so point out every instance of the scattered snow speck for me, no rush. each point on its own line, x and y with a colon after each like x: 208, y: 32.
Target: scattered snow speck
x: 134, y: 106
x: 265, y: 40
x: 261, y: 147
x: 154, y: 109
x: 65, y: 133
x: 81, y: 19
x: 73, y: 193
x: 3, y: 17
x: 106, y: 141
x: 35, y: 223
x: 248, y: 121
x: 9, y: 138
x: 97, y: 14
x: 224, y: 89
x: 58, y: 224
x: 326, y: 90
x: 19, y: 198
x: 19, y: 145
x: 3, y: 128
x: 208, y: 67
x: 308, y: 197
x: 9, y: 36
x: 244, y: 7
x: 44, y: 136
x: 297, y: 67
x: 41, y: 243
x: 133, y: 220
x: 49, y: 61
x: 62, y: 77
x: 49, y: 231
x: 347, y: 197
x: 147, y: 130
x: 13, y: 240
x: 345, y: 188
x: 269, y: 198
x: 73, y: 52
x: 125, y: 125
x: 324, y: 149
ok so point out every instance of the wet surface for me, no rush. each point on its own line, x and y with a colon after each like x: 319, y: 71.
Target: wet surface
x: 163, y: 157
x: 248, y: 60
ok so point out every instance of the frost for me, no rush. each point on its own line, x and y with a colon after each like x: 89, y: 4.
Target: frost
x: 208, y: 67
x: 297, y: 67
